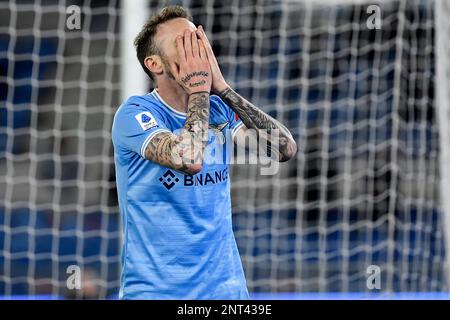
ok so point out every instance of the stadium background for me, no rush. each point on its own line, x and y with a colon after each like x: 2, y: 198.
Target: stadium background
x: 363, y: 190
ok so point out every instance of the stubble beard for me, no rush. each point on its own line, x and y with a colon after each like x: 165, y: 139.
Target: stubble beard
x: 166, y: 67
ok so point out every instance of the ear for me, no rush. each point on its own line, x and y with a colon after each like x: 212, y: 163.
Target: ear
x: 154, y: 64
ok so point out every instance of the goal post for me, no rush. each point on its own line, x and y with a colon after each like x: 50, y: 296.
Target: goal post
x: 134, y: 80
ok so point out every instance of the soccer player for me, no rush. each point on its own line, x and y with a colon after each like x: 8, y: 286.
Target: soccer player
x: 175, y: 204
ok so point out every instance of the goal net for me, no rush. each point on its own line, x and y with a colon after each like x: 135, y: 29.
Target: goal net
x: 364, y: 191
x: 362, y: 86
x: 59, y: 85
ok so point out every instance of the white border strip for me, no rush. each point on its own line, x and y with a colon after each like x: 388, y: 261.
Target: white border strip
x: 442, y: 103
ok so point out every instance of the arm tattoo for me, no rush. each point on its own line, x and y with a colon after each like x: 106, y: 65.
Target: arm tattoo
x: 256, y: 119
x: 181, y: 151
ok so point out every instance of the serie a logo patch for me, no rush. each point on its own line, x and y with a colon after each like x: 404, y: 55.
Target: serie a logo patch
x: 146, y: 120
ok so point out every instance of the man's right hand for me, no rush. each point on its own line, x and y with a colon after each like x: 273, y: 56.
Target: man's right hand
x: 194, y: 72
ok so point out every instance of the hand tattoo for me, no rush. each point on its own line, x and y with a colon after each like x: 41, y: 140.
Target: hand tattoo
x: 193, y: 74
x: 186, y: 79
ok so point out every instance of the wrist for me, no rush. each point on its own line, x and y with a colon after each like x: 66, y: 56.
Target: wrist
x: 200, y: 91
x: 221, y: 87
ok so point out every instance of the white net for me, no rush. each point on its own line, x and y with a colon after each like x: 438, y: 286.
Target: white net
x: 363, y: 190
x: 58, y: 89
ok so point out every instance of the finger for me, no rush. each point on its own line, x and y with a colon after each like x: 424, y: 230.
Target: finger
x: 203, y: 35
x: 202, y: 49
x: 194, y: 41
x: 206, y: 42
x: 180, y: 49
x: 188, y: 43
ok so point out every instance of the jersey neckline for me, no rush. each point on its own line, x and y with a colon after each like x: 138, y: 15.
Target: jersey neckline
x: 155, y: 94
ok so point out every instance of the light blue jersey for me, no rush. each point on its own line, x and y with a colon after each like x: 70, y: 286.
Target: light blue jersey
x: 178, y: 237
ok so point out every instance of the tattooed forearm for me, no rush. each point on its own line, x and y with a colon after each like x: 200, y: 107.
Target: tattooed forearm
x: 184, y: 152
x: 256, y: 119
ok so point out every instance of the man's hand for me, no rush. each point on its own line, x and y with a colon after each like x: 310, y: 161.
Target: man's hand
x: 218, y: 82
x: 194, y: 72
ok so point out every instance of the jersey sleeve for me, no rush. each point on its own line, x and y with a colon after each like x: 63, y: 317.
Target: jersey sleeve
x: 134, y: 126
x: 234, y: 122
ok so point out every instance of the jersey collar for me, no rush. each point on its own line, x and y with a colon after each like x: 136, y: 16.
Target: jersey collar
x: 177, y: 113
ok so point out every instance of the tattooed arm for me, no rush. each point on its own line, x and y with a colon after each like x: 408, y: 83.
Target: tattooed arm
x: 256, y: 119
x: 253, y: 117
x: 184, y: 152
